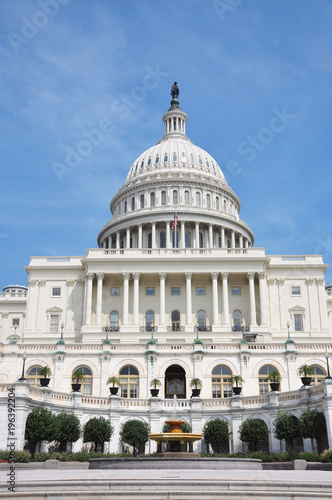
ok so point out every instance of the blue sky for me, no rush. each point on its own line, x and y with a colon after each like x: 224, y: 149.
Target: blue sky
x: 71, y: 67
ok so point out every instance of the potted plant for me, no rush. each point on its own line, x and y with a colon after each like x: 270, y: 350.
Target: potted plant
x: 45, y: 372
x: 154, y: 384
x: 196, y: 385
x: 77, y: 378
x: 274, y: 379
x: 115, y: 382
x: 306, y: 371
x: 236, y: 379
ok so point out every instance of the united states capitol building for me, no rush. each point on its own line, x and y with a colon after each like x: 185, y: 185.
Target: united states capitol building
x: 176, y: 290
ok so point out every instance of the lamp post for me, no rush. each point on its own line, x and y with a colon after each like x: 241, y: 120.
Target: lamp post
x: 24, y: 357
x: 107, y: 329
x: 327, y: 364
x: 61, y: 341
x: 14, y: 341
x: 152, y: 341
x: 197, y: 341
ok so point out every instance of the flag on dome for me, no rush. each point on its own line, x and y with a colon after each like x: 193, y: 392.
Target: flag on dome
x: 175, y: 222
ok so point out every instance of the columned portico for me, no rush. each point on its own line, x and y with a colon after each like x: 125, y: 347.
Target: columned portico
x: 196, y: 234
x: 263, y: 300
x: 188, y: 302
x: 162, y: 323
x: 136, y: 277
x: 183, y: 234
x: 89, y: 279
x: 215, y: 301
x: 252, y: 301
x: 100, y: 277
x: 226, y: 321
x: 126, y: 277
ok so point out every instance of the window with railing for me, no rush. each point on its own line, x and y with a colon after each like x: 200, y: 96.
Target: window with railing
x: 114, y: 321
x: 129, y: 379
x: 262, y: 378
x: 221, y: 383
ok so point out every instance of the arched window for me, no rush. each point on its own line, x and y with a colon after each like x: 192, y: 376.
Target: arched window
x: 129, y: 378
x: 225, y: 206
x: 175, y: 239
x: 163, y: 198
x: 142, y: 200
x: 237, y: 320
x: 133, y: 203
x: 87, y: 382
x: 175, y: 197
x: 318, y: 375
x: 188, y: 239
x: 125, y: 206
x: 175, y: 382
x: 150, y: 240
x: 175, y: 321
x: 33, y: 375
x: 198, y: 199
x: 201, y: 321
x: 157, y: 159
x: 165, y: 158
x: 208, y: 201
x: 186, y: 198
x: 149, y: 320
x: 217, y: 203
x: 152, y: 199
x: 163, y: 239
x: 263, y: 374
x: 175, y: 158
x: 221, y: 384
x: 114, y: 321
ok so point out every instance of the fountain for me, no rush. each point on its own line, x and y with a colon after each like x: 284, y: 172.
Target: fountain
x: 175, y: 442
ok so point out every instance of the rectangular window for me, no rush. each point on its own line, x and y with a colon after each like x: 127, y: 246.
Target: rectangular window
x: 298, y: 322
x: 15, y: 322
x: 175, y: 290
x: 115, y: 290
x: 54, y: 323
x: 296, y: 290
x: 236, y: 290
x: 150, y: 290
x: 200, y: 290
x: 56, y: 292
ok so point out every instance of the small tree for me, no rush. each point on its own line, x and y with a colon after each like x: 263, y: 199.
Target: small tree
x: 69, y: 429
x: 135, y: 433
x: 286, y: 426
x: 253, y: 431
x: 115, y: 381
x: 237, y: 379
x: 216, y: 433
x: 196, y: 383
x: 45, y: 372
x: 98, y: 430
x: 155, y: 383
x: 305, y: 370
x: 311, y: 424
x: 274, y: 377
x: 78, y: 376
x: 41, y: 425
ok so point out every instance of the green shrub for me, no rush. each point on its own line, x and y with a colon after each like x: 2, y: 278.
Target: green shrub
x: 20, y: 456
x: 309, y: 456
x: 326, y: 456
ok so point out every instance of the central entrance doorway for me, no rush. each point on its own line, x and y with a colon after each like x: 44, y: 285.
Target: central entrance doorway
x: 175, y: 382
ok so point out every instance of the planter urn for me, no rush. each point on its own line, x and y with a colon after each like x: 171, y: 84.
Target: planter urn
x: 154, y: 392
x: 306, y: 380
x: 76, y: 387
x: 237, y: 390
x: 195, y: 393
x: 275, y: 386
x: 44, y: 382
x: 114, y: 391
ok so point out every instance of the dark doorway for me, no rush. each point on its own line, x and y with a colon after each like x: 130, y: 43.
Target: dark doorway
x: 175, y: 382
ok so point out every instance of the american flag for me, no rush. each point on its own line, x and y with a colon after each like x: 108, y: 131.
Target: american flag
x: 175, y: 222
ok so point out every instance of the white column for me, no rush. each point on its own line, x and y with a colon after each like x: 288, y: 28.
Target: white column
x: 118, y: 239
x: 100, y: 277
x: 225, y: 298
x: 128, y: 237
x: 183, y: 234
x: 126, y: 277
x: 214, y: 277
x: 246, y: 243
x: 210, y: 236
x: 263, y: 299
x: 153, y: 235
x: 136, y: 298
x: 196, y: 234
x: 89, y: 279
x: 162, y: 278
x: 188, y: 299
x: 168, y: 235
x: 222, y: 234
x: 241, y: 240
x: 140, y: 236
x: 251, y: 278
x: 233, y: 239
x: 110, y: 242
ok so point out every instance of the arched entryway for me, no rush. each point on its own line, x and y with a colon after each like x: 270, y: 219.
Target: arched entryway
x: 175, y: 382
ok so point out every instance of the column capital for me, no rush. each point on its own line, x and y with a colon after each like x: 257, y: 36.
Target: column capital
x: 214, y: 275
x: 261, y: 275
x: 100, y: 276
x: 136, y: 276
x: 126, y: 276
x: 89, y: 276
x: 320, y: 281
x: 162, y: 276
x: 188, y: 276
x: 309, y: 281
x: 224, y: 275
x: 251, y: 276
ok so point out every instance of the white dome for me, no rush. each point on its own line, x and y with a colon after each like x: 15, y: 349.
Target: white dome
x: 175, y: 151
